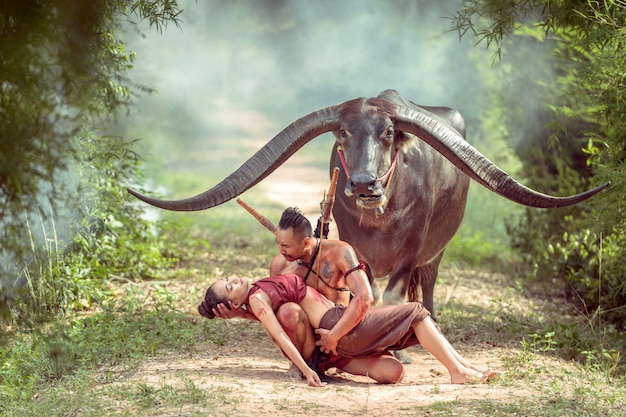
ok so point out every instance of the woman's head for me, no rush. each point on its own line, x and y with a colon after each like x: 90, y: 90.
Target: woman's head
x: 232, y: 291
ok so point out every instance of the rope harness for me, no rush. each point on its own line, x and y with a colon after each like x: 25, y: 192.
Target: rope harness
x: 389, y: 172
x: 387, y: 176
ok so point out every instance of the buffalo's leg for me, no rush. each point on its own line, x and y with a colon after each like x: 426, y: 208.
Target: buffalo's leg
x: 425, y: 278
x: 396, y: 293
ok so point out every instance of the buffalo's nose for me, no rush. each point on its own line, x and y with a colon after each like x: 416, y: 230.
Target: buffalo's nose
x: 364, y: 184
x: 361, y: 188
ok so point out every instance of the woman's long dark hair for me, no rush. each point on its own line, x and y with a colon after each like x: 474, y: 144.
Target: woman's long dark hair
x: 211, y: 300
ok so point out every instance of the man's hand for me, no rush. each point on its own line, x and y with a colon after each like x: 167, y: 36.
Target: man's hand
x: 224, y: 312
x: 327, y: 343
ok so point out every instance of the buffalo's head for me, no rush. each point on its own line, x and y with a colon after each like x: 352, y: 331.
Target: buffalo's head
x: 367, y: 144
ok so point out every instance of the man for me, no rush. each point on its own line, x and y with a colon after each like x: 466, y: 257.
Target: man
x: 332, y: 268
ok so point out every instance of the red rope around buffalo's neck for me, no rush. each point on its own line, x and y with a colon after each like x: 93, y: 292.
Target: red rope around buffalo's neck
x: 382, y: 178
x: 388, y: 175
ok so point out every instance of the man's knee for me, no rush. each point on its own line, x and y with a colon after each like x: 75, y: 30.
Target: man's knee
x: 386, y: 369
x: 393, y: 374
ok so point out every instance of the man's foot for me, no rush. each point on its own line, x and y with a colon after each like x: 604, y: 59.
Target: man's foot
x: 294, y: 372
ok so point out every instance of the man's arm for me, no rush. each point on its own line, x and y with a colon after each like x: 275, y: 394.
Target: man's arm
x: 277, y: 265
x: 359, y: 285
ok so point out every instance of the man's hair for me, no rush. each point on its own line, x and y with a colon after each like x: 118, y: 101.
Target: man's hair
x: 293, y: 218
x: 211, y: 300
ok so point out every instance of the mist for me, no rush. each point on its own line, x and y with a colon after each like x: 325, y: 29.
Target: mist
x: 249, y: 68
x: 295, y: 56
x: 238, y: 72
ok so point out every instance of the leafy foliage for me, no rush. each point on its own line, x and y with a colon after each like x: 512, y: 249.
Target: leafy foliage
x: 67, y: 224
x: 62, y: 76
x: 582, y: 114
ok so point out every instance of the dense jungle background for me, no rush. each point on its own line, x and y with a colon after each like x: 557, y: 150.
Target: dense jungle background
x: 169, y: 97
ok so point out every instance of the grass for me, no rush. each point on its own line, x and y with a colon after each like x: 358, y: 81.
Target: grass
x: 568, y: 392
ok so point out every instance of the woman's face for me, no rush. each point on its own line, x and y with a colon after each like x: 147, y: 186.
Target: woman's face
x: 233, y: 289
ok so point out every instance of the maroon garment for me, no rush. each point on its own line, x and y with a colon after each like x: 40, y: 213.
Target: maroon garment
x: 333, y: 361
x: 280, y: 289
x: 383, y: 328
x: 388, y: 327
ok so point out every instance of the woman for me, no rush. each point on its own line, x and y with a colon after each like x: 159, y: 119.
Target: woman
x: 385, y: 327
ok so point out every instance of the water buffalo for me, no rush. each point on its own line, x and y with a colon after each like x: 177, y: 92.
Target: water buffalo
x: 405, y: 175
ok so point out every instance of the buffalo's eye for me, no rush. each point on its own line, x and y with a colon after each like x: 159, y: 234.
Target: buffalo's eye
x: 343, y: 133
x: 389, y: 133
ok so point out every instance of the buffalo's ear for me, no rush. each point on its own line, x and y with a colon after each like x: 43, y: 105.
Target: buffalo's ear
x: 401, y: 138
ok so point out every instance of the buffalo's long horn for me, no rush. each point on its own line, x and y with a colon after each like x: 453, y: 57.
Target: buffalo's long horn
x: 258, y: 166
x: 478, y: 167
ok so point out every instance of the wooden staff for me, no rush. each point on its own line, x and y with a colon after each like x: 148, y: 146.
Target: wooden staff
x: 262, y: 219
x: 327, y: 206
x: 330, y: 198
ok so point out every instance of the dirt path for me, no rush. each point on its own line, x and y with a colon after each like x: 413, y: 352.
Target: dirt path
x: 304, y: 183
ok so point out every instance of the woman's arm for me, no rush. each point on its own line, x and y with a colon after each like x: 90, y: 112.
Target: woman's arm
x: 261, y: 306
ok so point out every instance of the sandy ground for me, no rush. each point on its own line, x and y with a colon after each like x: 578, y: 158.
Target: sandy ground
x: 245, y: 376
x: 250, y: 381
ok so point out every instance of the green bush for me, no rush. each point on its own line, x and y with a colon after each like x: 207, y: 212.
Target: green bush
x: 592, y: 266
x: 478, y: 250
x: 110, y: 239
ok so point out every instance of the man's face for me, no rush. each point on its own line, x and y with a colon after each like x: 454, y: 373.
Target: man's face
x: 290, y: 246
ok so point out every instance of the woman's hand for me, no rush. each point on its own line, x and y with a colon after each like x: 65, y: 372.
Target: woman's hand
x: 313, y: 379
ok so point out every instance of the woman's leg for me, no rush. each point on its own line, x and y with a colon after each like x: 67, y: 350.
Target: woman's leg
x: 434, y: 342
x: 296, y: 324
x: 383, y: 368
x: 456, y: 354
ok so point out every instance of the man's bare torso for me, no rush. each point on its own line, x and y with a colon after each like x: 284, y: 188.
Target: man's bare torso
x: 324, y: 276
